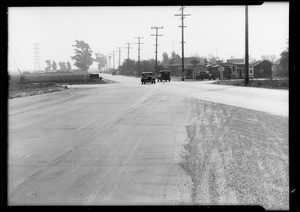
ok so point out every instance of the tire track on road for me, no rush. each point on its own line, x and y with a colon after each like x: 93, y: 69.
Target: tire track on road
x: 65, y: 153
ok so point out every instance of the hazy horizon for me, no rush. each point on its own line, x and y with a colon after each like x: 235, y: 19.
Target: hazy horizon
x: 211, y: 30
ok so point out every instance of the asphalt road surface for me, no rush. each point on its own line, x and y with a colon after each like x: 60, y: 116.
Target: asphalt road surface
x: 173, y: 143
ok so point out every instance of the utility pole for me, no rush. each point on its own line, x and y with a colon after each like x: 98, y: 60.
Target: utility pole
x: 182, y: 38
x: 120, y: 56
x: 246, y: 47
x: 109, y: 60
x: 113, y: 59
x: 105, y: 63
x: 128, y: 49
x: 139, y: 56
x: 156, y: 40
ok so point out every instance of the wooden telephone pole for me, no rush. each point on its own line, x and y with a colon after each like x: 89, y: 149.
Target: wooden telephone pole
x: 246, y: 47
x: 182, y: 39
x: 156, y: 43
x: 139, y: 44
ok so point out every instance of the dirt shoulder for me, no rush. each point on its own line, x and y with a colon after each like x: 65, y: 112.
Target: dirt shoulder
x: 237, y: 156
x: 30, y: 89
x: 17, y: 90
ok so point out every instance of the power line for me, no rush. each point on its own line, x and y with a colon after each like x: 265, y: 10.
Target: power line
x: 156, y: 43
x: 109, y: 60
x: 139, y: 43
x: 113, y: 59
x: 128, y: 48
x: 246, y: 48
x: 182, y: 38
x: 120, y: 56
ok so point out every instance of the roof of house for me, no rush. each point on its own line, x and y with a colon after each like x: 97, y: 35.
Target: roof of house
x: 258, y: 62
x: 227, y: 64
x: 187, y: 61
x: 277, y: 62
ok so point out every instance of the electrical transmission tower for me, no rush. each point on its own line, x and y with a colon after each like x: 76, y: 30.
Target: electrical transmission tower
x: 120, y: 56
x: 139, y: 56
x: 182, y: 38
x: 156, y: 43
x: 36, y: 49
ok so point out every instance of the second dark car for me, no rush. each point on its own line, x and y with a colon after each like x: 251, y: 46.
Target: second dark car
x: 205, y: 75
x: 164, y: 75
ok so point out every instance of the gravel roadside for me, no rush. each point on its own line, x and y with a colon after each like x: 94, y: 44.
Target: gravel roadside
x: 237, y: 156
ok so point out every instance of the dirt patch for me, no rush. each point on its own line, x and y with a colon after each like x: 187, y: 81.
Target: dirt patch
x: 236, y: 156
x: 17, y: 88
x: 30, y: 89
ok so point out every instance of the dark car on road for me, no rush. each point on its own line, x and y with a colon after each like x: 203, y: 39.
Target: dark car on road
x: 113, y: 72
x: 164, y: 75
x: 205, y: 75
x: 147, y: 77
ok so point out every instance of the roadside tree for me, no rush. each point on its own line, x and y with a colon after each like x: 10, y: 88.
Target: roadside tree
x: 62, y: 66
x: 149, y: 66
x: 69, y: 66
x: 83, y: 56
x: 214, y: 59
x: 48, y: 62
x: 101, y: 60
x: 271, y: 57
x: 202, y: 60
x: 165, y: 57
x: 128, y: 67
x: 54, y: 66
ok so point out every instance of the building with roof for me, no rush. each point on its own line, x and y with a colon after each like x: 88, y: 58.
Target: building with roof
x: 280, y: 67
x: 233, y: 69
x: 192, y: 68
x: 262, y: 69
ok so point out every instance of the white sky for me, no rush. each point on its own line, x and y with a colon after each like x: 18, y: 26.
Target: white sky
x: 216, y: 30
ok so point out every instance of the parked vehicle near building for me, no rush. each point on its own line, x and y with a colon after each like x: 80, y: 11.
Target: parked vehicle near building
x: 147, y: 77
x: 164, y: 75
x: 205, y: 75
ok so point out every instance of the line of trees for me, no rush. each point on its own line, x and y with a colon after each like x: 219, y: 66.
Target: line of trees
x: 83, y: 60
x: 130, y: 67
x: 63, y: 66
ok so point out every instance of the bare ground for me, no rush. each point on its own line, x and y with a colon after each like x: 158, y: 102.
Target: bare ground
x: 237, y: 156
x: 30, y: 89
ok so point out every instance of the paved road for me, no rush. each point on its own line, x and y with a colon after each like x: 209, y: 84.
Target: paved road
x: 127, y: 143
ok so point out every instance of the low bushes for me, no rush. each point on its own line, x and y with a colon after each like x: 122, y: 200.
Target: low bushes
x: 263, y: 83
